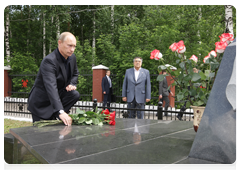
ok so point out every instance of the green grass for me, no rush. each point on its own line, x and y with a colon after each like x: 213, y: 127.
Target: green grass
x: 9, y: 124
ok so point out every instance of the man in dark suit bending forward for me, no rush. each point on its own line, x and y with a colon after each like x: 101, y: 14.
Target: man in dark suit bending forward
x: 54, y: 91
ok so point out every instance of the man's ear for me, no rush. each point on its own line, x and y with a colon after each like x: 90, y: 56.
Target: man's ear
x: 59, y: 42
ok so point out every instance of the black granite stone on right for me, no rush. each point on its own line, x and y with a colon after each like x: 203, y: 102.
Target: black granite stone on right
x: 216, y: 137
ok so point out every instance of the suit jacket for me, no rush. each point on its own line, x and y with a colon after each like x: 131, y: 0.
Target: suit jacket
x: 140, y: 89
x: 163, y: 88
x: 105, y: 85
x: 51, y: 80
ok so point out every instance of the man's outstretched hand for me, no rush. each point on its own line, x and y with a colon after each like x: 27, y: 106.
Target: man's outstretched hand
x: 67, y: 120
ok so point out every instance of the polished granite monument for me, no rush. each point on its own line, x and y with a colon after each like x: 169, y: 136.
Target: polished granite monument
x: 215, y: 140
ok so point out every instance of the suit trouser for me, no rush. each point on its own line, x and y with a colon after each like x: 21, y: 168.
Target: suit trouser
x: 107, y: 99
x: 68, y: 99
x: 136, y: 105
x: 166, y: 99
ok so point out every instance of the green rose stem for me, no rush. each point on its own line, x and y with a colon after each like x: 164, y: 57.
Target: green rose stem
x: 177, y: 83
x: 190, y: 82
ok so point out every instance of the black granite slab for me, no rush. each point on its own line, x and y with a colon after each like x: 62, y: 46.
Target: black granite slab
x: 216, y: 137
x: 128, y: 142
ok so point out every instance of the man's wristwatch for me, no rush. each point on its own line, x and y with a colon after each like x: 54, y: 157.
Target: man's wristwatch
x: 61, y: 111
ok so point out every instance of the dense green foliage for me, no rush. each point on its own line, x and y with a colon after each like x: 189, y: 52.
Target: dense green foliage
x: 136, y: 31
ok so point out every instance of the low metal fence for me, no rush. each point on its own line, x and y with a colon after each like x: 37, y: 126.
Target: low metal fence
x: 17, y: 107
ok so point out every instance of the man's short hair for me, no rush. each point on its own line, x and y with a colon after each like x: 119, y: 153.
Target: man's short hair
x: 107, y: 71
x: 63, y: 36
x: 164, y: 71
x: 139, y: 58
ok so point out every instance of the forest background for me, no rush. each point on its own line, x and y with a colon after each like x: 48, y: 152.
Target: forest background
x: 111, y: 35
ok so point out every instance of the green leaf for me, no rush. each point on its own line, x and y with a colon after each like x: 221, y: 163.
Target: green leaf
x: 90, y: 113
x: 162, y: 67
x: 78, y: 111
x: 211, y: 75
x: 198, y: 103
x: 214, y: 66
x: 89, y: 121
x: 203, y: 76
x: 192, y: 92
x: 182, y: 65
x: 95, y: 121
x: 180, y: 96
x: 160, y: 77
x: 207, y: 72
x: 81, y: 120
x: 196, y: 77
x: 188, y: 104
x: 100, y: 123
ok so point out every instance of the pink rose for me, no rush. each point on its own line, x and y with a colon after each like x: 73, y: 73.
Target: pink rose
x: 181, y: 47
x: 226, y: 37
x: 155, y: 54
x: 220, y: 46
x: 194, y: 58
x: 173, y: 47
x: 205, y: 58
x: 213, y: 53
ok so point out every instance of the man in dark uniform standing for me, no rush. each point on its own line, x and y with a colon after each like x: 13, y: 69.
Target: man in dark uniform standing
x: 107, y: 89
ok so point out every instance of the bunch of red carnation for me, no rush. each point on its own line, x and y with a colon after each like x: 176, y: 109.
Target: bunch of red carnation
x: 110, y: 117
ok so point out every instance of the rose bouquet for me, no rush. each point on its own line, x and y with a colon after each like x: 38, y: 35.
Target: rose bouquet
x: 193, y: 78
x: 84, y: 118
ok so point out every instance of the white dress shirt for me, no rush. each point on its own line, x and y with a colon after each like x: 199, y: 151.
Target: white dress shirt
x: 109, y: 81
x: 136, y: 72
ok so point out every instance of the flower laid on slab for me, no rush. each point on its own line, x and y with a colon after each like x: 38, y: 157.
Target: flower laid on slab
x: 193, y: 86
x: 81, y: 117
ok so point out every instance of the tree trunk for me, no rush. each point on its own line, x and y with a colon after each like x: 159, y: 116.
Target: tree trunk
x: 94, y: 40
x: 50, y: 43
x: 7, y: 37
x: 229, y: 19
x: 112, y: 18
x: 58, y: 27
x: 29, y: 15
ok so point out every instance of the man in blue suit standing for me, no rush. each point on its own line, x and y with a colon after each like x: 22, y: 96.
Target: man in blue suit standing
x: 136, y: 89
x: 107, y: 89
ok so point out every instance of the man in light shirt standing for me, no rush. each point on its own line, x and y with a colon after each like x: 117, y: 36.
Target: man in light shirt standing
x: 136, y: 90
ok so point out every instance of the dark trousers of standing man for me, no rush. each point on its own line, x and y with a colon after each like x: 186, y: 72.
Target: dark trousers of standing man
x: 68, y: 100
x: 107, y: 100
x: 167, y: 101
x: 132, y: 113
